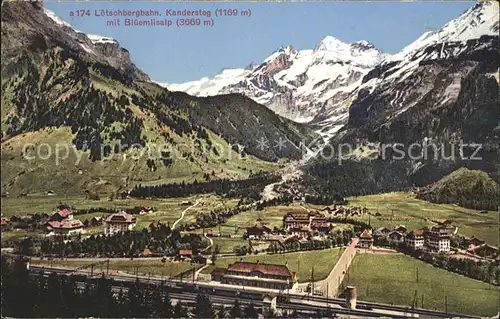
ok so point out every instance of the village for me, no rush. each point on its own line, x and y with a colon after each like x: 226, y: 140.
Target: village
x: 296, y: 227
x: 308, y: 250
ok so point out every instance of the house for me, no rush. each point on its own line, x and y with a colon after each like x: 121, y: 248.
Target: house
x: 241, y: 273
x: 257, y: 231
x: 186, y: 203
x: 5, y: 222
x: 321, y: 225
x: 401, y: 228
x: 217, y: 274
x: 416, y: 239
x: 336, y: 212
x: 485, y: 251
x: 303, y: 223
x: 119, y: 222
x: 50, y: 193
x: 441, y: 221
x: 61, y: 214
x: 395, y: 237
x: 65, y: 226
x: 382, y: 232
x: 301, y: 232
x: 355, y: 212
x: 296, y: 220
x: 474, y: 242
x: 212, y: 234
x: 365, y: 240
x: 438, y: 238
x: 95, y: 221
x: 185, y: 253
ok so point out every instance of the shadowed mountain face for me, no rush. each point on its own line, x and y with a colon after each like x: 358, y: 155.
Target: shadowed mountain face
x: 441, y: 95
x: 61, y: 86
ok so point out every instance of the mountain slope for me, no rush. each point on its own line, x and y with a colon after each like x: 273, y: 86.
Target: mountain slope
x: 440, y: 91
x: 468, y: 188
x: 303, y: 85
x: 83, y: 94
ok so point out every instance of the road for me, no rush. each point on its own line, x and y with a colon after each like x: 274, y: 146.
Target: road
x: 184, y: 213
x: 331, y: 284
x: 227, y: 293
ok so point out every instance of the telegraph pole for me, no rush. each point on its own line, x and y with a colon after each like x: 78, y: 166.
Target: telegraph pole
x: 327, y: 305
x: 446, y: 304
x: 417, y: 273
x: 298, y: 266
x: 312, y: 280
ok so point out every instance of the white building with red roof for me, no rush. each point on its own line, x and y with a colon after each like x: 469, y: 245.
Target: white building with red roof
x: 65, y: 227
x: 416, y: 238
x: 61, y: 214
x: 119, y: 222
x: 270, y: 276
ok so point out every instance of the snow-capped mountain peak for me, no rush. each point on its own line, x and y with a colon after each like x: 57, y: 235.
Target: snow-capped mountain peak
x: 297, y: 84
x: 97, y: 47
x: 100, y: 39
x: 480, y: 20
x: 329, y: 43
x: 94, y: 38
x: 320, y: 84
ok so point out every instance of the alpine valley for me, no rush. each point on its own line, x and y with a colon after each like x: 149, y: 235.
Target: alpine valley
x: 60, y: 85
x: 336, y: 182
x: 440, y: 90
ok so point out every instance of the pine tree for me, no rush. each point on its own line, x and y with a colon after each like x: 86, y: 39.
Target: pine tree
x: 180, y: 311
x: 250, y: 311
x: 137, y: 307
x: 203, y: 307
x: 103, y: 297
x: 235, y: 311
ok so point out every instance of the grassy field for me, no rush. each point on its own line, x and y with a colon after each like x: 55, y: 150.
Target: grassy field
x: 227, y: 245
x: 47, y: 204
x: 300, y: 262
x: 152, y: 266
x: 270, y: 216
x: 17, y: 234
x: 392, y: 279
x: 167, y: 210
x: 404, y: 209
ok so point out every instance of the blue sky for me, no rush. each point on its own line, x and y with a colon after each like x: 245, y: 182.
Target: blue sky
x: 176, y: 54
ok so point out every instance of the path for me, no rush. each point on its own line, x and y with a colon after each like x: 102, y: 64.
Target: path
x: 197, y: 273
x: 211, y: 243
x: 183, y: 213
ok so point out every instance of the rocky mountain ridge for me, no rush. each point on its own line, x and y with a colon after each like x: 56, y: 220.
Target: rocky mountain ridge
x: 298, y: 84
x: 62, y: 87
x: 319, y: 86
